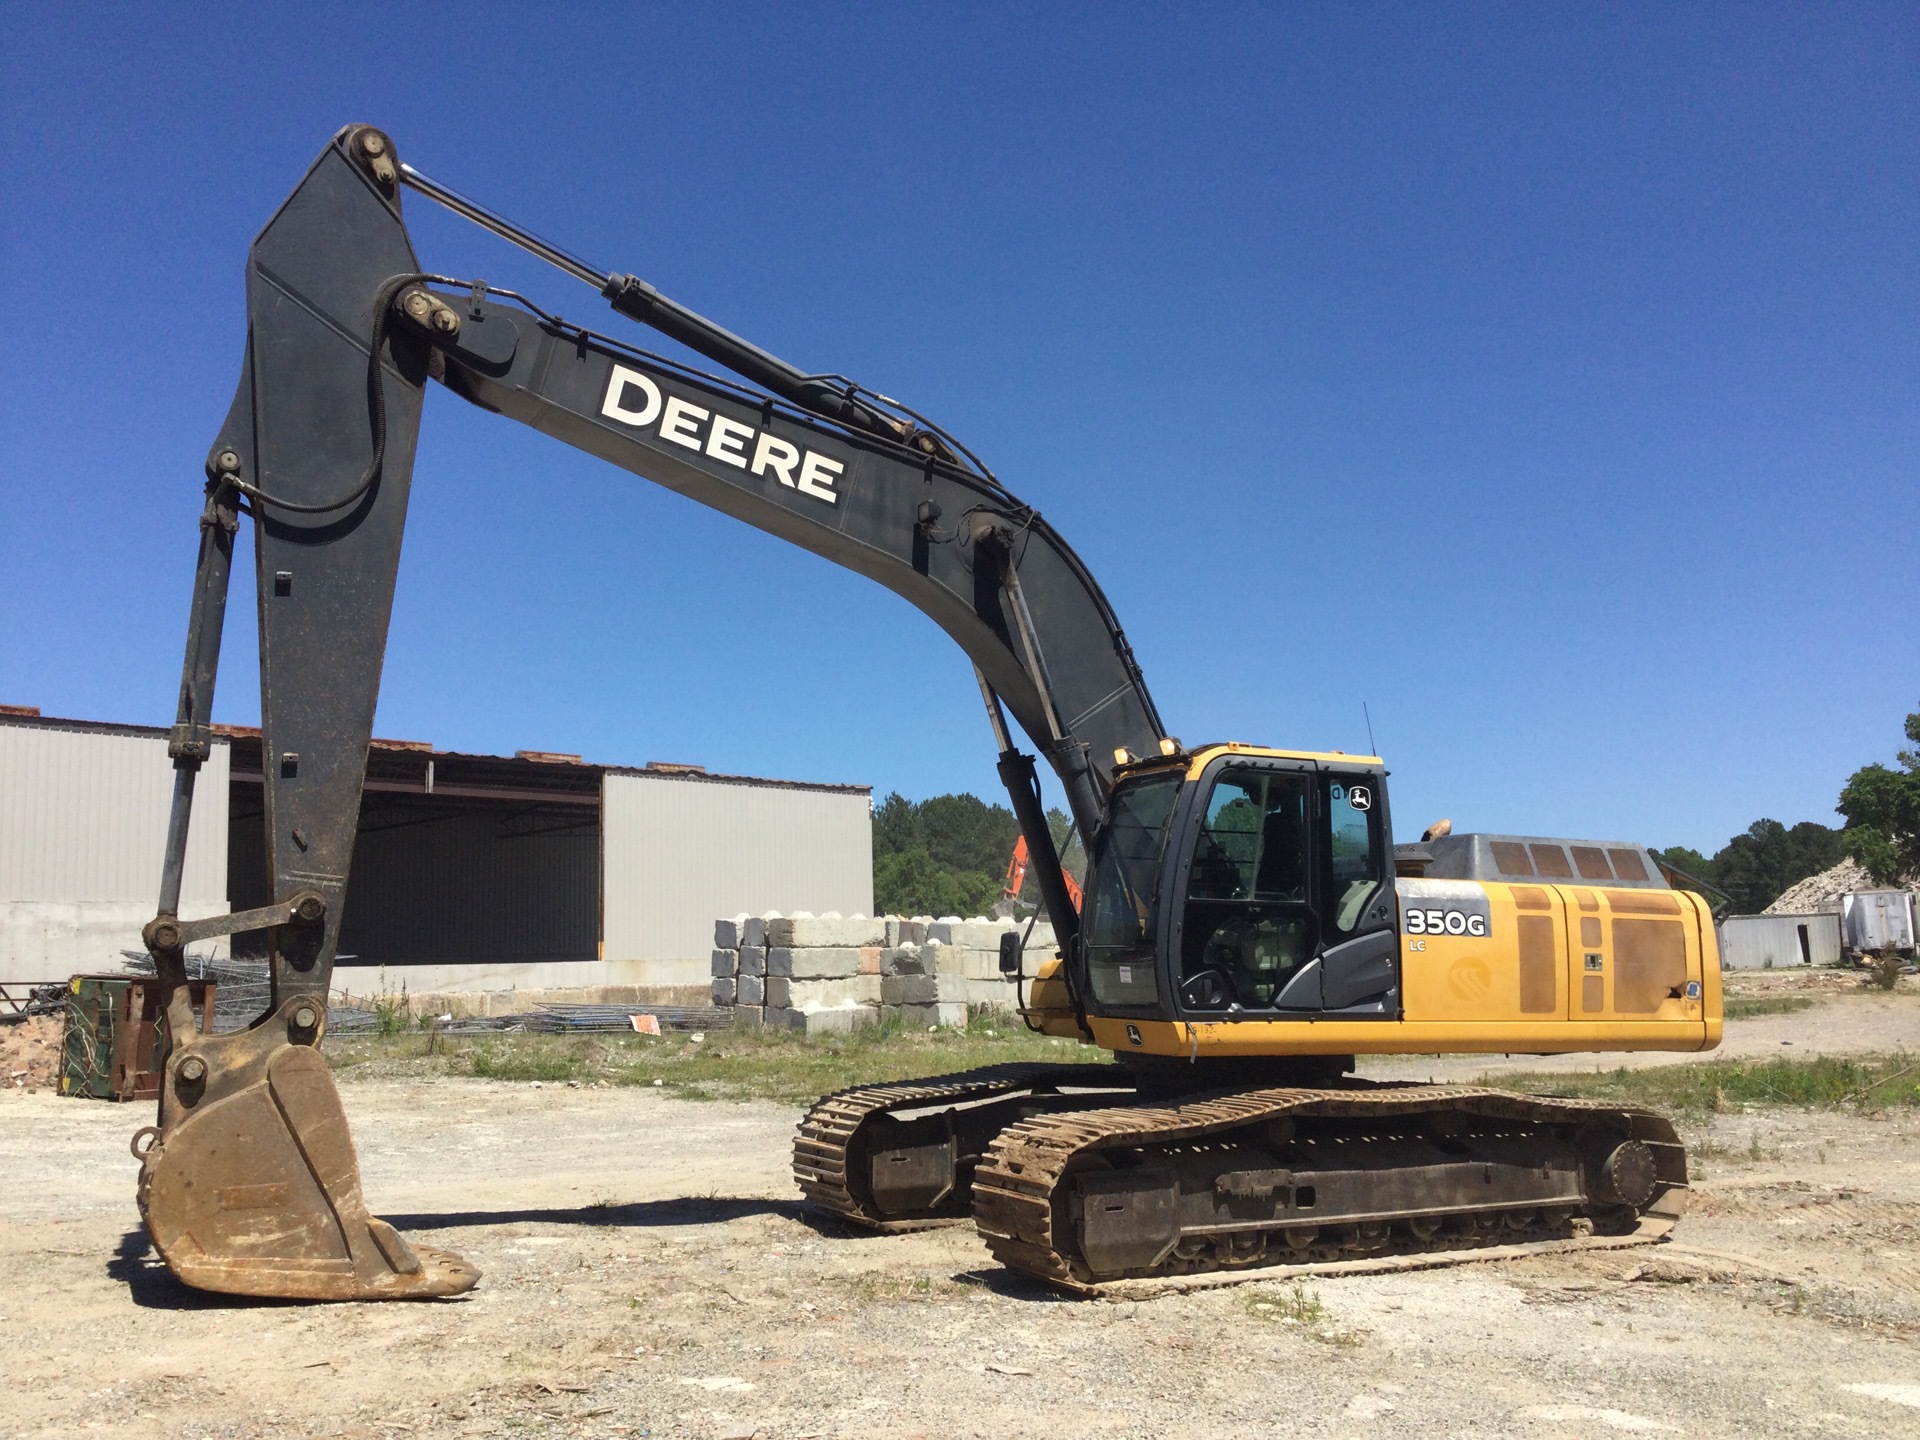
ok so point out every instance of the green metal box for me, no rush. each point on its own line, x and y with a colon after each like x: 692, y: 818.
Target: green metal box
x: 114, y: 1045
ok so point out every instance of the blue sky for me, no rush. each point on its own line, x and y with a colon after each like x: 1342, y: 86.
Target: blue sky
x: 1543, y: 378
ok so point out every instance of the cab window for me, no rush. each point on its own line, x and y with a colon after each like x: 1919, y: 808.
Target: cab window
x: 1356, y: 851
x: 1246, y: 921
x: 1123, y: 896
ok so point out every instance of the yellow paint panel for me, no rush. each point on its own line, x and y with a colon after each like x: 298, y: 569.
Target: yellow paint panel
x: 1467, y: 978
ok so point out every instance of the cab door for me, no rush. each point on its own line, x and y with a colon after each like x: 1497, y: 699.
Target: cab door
x: 1359, y: 915
x: 1284, y: 891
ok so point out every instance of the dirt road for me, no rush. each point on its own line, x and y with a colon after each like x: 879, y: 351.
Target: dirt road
x: 649, y: 1272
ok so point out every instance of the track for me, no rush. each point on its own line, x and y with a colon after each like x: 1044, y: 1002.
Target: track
x: 1034, y: 1200
x: 832, y: 1151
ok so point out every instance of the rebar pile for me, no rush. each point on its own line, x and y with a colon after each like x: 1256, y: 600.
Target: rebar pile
x: 241, y: 987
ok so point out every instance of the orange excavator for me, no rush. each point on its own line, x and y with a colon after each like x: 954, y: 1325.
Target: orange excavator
x: 1017, y: 876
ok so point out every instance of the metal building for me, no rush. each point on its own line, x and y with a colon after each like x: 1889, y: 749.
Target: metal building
x: 1779, y: 942
x: 470, y: 872
x: 83, y: 822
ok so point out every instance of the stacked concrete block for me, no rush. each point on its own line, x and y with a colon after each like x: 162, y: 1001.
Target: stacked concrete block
x: 832, y: 974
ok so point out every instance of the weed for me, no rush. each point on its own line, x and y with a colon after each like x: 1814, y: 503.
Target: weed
x: 879, y: 1285
x: 1298, y: 1306
x: 392, y: 1014
x: 1748, y: 1007
x: 1886, y: 968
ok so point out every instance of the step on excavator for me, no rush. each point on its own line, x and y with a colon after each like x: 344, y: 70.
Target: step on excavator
x: 1248, y: 929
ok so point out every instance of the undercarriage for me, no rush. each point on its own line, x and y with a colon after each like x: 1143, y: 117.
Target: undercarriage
x: 1085, y: 1184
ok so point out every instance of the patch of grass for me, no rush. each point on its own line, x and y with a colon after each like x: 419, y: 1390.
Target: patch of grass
x: 1300, y: 1307
x: 881, y: 1286
x: 1719, y: 1085
x: 727, y: 1065
x: 1747, y: 1007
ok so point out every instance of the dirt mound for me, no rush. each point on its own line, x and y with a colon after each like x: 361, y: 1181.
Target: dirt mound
x: 1821, y: 893
x: 30, y: 1052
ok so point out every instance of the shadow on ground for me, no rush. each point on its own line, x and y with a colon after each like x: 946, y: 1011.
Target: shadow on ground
x: 152, y: 1286
x: 642, y: 1214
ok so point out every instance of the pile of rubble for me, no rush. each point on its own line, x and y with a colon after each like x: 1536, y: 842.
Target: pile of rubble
x: 1820, y: 894
x: 30, y: 1052
x: 830, y: 974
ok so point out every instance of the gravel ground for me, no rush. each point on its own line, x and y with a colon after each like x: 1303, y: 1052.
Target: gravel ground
x: 648, y: 1271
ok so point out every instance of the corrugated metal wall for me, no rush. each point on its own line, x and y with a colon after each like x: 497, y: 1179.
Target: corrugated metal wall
x: 1773, y: 942
x: 683, y: 851
x: 83, y: 823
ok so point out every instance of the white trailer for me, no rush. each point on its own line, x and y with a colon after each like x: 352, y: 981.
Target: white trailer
x: 1871, y: 920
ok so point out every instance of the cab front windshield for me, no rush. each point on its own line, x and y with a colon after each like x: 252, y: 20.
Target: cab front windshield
x: 1123, y: 898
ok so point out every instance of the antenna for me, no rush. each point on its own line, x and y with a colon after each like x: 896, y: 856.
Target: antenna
x: 1372, y: 749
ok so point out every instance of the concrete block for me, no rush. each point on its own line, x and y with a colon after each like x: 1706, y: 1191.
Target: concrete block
x: 950, y: 987
x: 943, y: 928
x: 726, y: 933
x: 980, y: 964
x: 749, y: 1017
x: 969, y: 934
x: 798, y: 931
x: 726, y: 964
x: 754, y: 931
x: 952, y: 1014
x: 864, y: 930
x: 753, y: 960
x: 996, y: 993
x: 870, y: 960
x: 813, y: 962
x: 946, y: 959
x: 750, y: 990
x: 900, y: 931
x: 823, y: 994
x: 839, y: 1020
x: 909, y: 989
x: 724, y: 990
x: 903, y: 960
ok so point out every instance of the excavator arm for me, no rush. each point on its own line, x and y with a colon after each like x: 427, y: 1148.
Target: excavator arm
x: 249, y: 1182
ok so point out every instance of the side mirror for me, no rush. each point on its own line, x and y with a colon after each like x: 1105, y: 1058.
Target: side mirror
x: 1010, y: 954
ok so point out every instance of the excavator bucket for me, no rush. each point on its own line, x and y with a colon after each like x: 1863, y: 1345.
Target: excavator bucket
x: 250, y: 1185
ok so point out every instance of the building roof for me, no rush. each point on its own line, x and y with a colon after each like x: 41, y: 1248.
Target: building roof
x: 402, y: 764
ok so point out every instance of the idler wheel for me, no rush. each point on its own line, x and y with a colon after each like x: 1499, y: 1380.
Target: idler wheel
x: 1624, y: 1175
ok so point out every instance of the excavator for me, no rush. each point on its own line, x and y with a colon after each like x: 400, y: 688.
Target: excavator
x: 1249, y: 927
x: 1016, y: 880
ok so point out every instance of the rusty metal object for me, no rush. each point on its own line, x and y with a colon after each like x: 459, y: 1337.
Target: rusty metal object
x: 250, y: 1185
x: 114, y: 1042
x: 1258, y: 1182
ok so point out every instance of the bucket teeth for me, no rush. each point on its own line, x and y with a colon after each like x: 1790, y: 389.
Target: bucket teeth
x: 253, y: 1187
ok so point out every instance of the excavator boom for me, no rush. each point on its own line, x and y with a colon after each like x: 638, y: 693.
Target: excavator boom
x: 249, y: 1180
